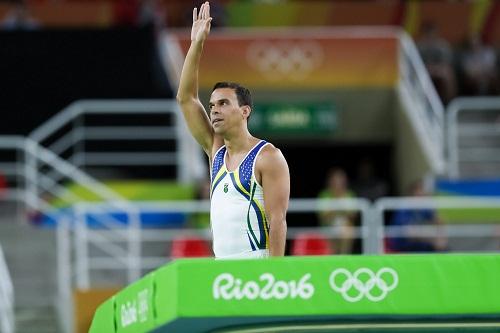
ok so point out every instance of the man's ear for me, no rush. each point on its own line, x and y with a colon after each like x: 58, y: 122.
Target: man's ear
x: 246, y: 111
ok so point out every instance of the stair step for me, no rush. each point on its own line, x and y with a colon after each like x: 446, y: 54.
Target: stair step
x: 36, y: 319
x: 478, y: 170
x: 30, y: 253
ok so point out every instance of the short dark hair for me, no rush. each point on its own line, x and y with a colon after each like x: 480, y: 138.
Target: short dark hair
x: 242, y: 93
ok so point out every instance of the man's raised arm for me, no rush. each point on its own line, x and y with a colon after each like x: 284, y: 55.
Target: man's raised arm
x: 187, y: 96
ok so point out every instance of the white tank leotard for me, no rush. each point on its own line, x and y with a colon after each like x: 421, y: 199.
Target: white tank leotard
x: 237, y: 216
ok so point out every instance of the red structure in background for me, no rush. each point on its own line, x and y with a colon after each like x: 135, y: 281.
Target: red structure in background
x: 3, y: 185
x: 190, y: 247
x: 125, y: 12
x: 312, y: 244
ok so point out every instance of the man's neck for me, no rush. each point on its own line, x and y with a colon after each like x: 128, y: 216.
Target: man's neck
x: 239, y: 143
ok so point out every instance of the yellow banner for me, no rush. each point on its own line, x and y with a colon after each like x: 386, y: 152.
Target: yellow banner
x: 301, y: 60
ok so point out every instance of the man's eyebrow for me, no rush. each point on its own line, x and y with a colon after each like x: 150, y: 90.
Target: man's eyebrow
x: 218, y: 101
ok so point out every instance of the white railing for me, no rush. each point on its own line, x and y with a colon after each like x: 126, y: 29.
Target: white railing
x: 372, y: 230
x: 385, y: 205
x: 84, y: 236
x: 422, y: 103
x: 40, y: 173
x: 472, y: 130
x: 70, y: 131
x: 44, y: 169
x: 75, y: 237
x: 7, y: 319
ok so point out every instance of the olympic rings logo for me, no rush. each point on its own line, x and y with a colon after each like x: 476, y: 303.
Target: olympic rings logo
x: 285, y: 60
x: 364, y: 282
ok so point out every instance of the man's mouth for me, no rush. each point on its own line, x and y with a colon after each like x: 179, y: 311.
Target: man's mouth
x: 215, y: 121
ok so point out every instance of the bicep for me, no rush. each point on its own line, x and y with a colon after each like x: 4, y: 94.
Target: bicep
x: 198, y: 123
x: 276, y: 187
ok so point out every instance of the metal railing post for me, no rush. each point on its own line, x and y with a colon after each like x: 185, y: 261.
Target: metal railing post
x: 64, y: 275
x: 81, y: 248
x: 452, y: 140
x: 78, y: 141
x: 31, y: 175
x: 134, y: 245
x: 377, y: 217
x: 367, y: 229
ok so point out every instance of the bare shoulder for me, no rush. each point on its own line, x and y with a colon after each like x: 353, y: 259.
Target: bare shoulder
x: 270, y: 154
x: 270, y: 160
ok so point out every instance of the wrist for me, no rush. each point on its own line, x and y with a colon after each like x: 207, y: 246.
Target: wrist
x: 197, y: 43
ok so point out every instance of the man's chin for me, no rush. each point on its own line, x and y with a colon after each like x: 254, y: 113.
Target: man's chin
x: 218, y: 129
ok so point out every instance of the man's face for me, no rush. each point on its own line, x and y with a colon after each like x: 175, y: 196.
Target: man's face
x: 225, y: 111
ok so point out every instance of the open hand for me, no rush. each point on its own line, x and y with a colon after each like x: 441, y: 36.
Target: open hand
x: 201, y: 23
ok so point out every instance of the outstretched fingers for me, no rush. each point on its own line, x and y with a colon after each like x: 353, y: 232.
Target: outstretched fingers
x: 200, y: 13
x: 203, y: 13
x: 206, y: 10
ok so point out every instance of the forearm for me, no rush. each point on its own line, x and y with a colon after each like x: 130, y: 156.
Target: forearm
x: 277, y: 238
x: 188, y: 85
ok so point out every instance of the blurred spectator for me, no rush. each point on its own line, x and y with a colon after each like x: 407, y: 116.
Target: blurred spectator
x: 411, y: 219
x: 337, y: 188
x: 478, y: 65
x: 18, y: 18
x: 367, y: 185
x: 438, y: 58
x: 201, y: 220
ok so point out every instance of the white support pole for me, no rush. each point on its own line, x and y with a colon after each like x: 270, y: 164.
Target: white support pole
x: 21, y: 184
x: 31, y: 175
x: 64, y: 276
x: 78, y: 141
x: 81, y: 249
x: 134, y: 245
x: 452, y: 139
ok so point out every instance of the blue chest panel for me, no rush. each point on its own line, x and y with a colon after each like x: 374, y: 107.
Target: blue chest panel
x: 244, y: 170
x: 218, y: 162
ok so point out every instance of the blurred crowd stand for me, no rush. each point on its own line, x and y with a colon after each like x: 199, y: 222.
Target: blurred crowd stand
x: 478, y: 67
x: 19, y: 18
x: 337, y: 187
x: 367, y: 183
x: 437, y: 56
x: 471, y: 69
x: 411, y: 220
